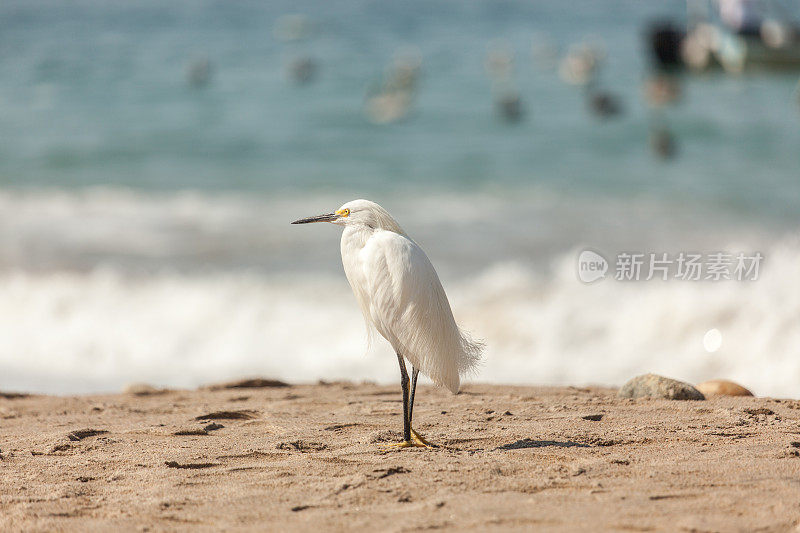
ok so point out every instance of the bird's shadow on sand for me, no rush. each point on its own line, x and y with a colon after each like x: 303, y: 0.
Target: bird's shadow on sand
x: 530, y: 443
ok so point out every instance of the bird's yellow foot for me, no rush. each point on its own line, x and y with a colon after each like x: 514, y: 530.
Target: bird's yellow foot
x: 406, y: 444
x: 420, y: 440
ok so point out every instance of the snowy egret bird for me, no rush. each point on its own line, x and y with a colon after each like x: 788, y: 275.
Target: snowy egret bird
x: 402, y: 298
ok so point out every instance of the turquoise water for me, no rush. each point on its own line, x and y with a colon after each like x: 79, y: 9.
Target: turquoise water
x: 95, y: 93
x: 144, y: 222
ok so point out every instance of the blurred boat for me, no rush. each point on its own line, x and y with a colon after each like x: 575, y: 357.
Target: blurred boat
x: 716, y: 39
x: 737, y: 53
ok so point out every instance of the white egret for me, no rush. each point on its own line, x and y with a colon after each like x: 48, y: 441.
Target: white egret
x: 402, y: 298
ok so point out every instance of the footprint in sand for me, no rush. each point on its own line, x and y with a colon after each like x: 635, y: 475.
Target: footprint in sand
x: 243, y: 414
x: 84, y: 433
x: 191, y: 466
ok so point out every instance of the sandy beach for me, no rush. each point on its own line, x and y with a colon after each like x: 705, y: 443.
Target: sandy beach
x: 309, y: 457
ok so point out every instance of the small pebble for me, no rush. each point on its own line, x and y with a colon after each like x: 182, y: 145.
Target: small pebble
x: 722, y: 387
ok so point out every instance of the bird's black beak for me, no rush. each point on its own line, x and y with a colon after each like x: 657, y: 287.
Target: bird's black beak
x: 330, y: 217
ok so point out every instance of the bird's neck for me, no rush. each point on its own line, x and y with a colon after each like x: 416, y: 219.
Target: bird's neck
x: 356, y: 236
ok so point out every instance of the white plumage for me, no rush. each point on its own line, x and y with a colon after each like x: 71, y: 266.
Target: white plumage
x: 401, y: 296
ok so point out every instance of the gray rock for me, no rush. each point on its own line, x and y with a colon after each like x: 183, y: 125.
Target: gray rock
x: 653, y: 386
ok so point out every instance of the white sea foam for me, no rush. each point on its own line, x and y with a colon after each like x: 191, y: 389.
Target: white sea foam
x: 98, y: 330
x: 102, y: 287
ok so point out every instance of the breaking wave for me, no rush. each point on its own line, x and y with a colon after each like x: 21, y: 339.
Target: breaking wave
x: 69, y: 332
x: 103, y: 287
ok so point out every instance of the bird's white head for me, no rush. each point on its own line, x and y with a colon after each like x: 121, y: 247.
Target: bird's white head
x: 358, y: 213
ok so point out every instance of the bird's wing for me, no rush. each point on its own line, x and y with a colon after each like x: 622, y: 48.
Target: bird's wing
x: 408, y: 306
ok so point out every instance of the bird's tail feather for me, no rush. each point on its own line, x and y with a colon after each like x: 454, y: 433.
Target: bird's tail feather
x: 472, y: 350
x: 464, y: 360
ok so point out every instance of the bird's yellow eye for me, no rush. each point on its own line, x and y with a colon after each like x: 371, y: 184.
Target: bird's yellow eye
x: 343, y: 212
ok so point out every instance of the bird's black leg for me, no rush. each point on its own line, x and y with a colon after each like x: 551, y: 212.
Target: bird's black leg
x: 410, y: 437
x: 414, y: 374
x: 419, y: 439
x: 406, y: 409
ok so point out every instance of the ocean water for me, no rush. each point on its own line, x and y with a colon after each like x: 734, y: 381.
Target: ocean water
x: 144, y: 223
